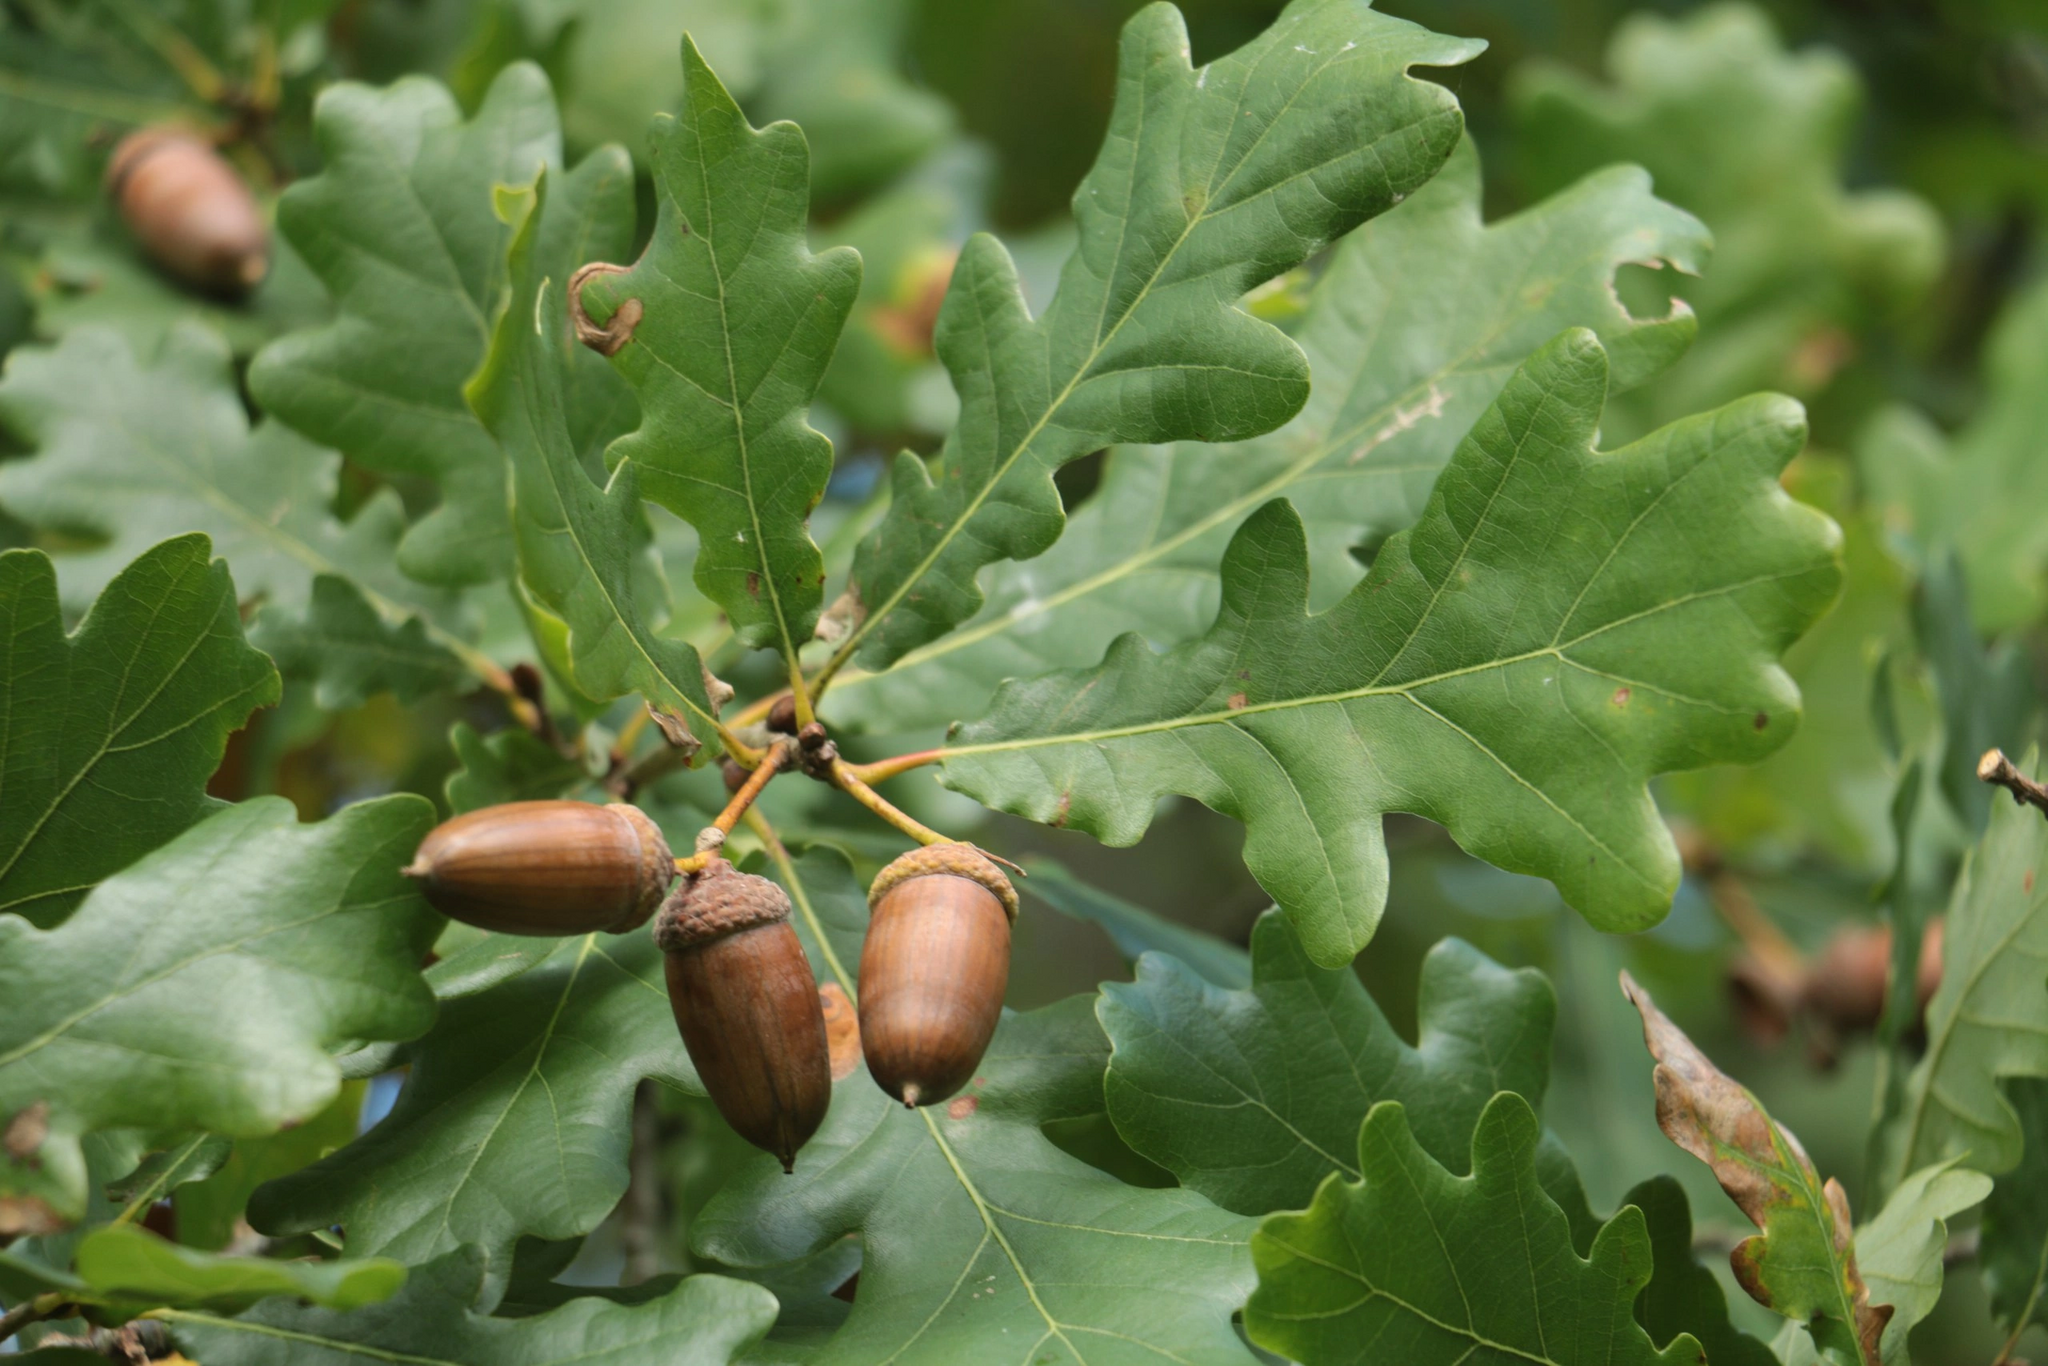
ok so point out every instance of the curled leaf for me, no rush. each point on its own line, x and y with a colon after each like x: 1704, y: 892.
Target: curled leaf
x: 1803, y: 1264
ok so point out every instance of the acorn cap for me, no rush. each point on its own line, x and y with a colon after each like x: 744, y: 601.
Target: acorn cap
x: 956, y: 860
x: 716, y: 902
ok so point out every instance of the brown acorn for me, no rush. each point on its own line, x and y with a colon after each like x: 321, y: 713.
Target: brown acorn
x: 933, y: 970
x: 747, y: 1006
x: 189, y: 210
x: 546, y: 868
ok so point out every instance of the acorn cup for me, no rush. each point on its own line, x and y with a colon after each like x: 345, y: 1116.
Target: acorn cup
x: 546, y: 868
x: 189, y: 210
x: 747, y: 1006
x: 933, y: 970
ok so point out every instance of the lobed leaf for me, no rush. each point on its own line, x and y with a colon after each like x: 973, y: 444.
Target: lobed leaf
x: 724, y: 328
x: 577, y: 543
x: 400, y: 226
x: 1209, y: 182
x: 1989, y: 1018
x: 1253, y: 1097
x: 353, y: 652
x: 134, y: 447
x: 702, y: 1321
x: 1901, y: 1251
x: 108, y: 735
x: 1683, y: 1296
x: 250, y: 948
x: 1559, y: 627
x: 1412, y: 329
x: 1803, y: 1264
x: 1416, y: 1266
x: 513, y: 1119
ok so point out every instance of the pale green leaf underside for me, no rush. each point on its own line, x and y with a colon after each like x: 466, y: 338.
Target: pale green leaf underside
x: 1416, y: 1267
x: 1253, y: 1097
x: 308, y: 930
x: 740, y: 321
x: 1209, y: 182
x: 577, y: 543
x: 1989, y: 1018
x: 1419, y: 319
x: 514, y: 1116
x: 1900, y: 1251
x: 703, y: 1321
x: 1561, y: 626
x: 108, y: 736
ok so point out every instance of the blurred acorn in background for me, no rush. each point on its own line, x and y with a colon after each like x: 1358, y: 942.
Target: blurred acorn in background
x: 189, y: 210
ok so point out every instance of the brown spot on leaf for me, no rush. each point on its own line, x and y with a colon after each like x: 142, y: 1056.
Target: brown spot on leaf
x: 842, y: 1030
x: 960, y: 1107
x: 1621, y: 696
x: 1762, y: 719
x: 2028, y: 882
x: 1235, y: 701
x: 1059, y: 815
x: 23, y: 1137
x: 753, y: 584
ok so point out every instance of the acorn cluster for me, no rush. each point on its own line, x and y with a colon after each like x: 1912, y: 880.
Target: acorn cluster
x: 932, y: 972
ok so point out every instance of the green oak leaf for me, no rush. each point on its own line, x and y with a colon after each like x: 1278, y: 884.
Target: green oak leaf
x: 252, y: 946
x: 1136, y: 931
x: 354, y: 652
x: 209, y: 1212
x: 702, y: 1321
x: 1417, y: 1266
x: 577, y: 543
x: 830, y: 905
x: 1755, y: 140
x: 1989, y: 1017
x: 401, y: 227
x: 1981, y: 489
x: 1683, y: 1296
x: 1560, y: 626
x: 2015, y: 1236
x: 1901, y: 1250
x: 511, y: 765
x: 732, y: 322
x: 108, y: 736
x: 132, y: 447
x: 1210, y: 181
x: 513, y: 1119
x: 121, y: 1263
x: 1803, y: 1262
x: 1253, y: 1097
x: 1420, y: 317
x: 194, y: 1158
x: 980, y: 1236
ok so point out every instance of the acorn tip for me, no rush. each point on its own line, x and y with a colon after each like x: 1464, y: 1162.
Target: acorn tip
x: 911, y: 1092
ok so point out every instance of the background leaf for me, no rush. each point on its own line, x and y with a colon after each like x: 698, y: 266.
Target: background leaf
x: 227, y: 999
x: 1560, y: 626
x: 2015, y: 1236
x: 122, y: 1262
x: 1683, y: 1296
x: 111, y: 733
x: 1137, y: 931
x: 1901, y: 1250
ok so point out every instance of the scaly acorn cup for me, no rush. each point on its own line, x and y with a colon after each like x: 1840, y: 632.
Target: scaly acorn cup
x: 546, y: 868
x: 189, y: 210
x: 747, y: 1006
x: 933, y: 970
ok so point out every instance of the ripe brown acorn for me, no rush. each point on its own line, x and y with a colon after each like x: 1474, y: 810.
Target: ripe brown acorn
x: 189, y: 210
x: 546, y: 868
x: 747, y: 1006
x: 933, y: 970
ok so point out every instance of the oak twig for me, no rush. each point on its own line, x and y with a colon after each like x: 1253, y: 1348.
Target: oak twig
x: 884, y: 769
x: 842, y: 776
x: 1995, y: 768
x: 712, y: 837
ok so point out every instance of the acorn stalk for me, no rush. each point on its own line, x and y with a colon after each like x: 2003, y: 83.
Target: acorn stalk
x: 933, y: 970
x: 553, y: 867
x: 747, y: 1006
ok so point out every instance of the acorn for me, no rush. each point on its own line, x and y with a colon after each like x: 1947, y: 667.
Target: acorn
x: 747, y: 1006
x: 933, y: 970
x: 546, y: 868
x: 189, y: 210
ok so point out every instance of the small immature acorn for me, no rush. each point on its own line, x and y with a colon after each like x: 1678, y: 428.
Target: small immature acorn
x: 933, y: 970
x: 189, y: 210
x: 747, y: 1006
x: 554, y: 867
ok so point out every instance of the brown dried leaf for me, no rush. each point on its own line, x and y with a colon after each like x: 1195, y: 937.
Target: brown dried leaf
x: 1803, y: 1264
